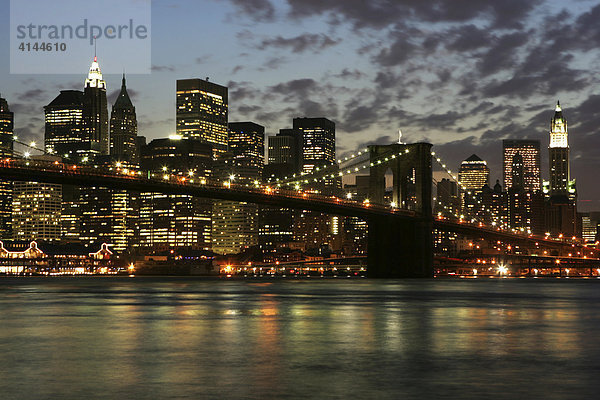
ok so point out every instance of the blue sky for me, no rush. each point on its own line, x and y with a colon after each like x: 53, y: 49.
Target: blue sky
x: 462, y: 74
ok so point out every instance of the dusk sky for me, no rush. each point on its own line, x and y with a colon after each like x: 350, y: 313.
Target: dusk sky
x: 461, y: 74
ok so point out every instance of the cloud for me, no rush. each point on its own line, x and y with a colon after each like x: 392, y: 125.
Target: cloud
x: 258, y: 10
x: 376, y: 14
x: 33, y: 95
x: 299, y: 44
x: 162, y: 68
x: 296, y: 87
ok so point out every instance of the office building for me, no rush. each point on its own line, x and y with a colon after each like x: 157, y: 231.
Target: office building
x: 527, y: 155
x: 318, y: 142
x: 123, y: 129
x: 36, y: 209
x: 95, y: 110
x: 558, y: 151
x: 474, y: 173
x: 64, y: 128
x: 202, y: 113
x: 176, y: 221
x: 561, y: 207
x: 235, y: 224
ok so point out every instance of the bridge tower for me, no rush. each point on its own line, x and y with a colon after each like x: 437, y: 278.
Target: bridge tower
x: 401, y: 248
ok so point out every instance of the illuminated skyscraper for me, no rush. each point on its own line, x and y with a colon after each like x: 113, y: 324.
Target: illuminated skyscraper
x: 95, y: 110
x: 561, y: 208
x: 176, y: 221
x: 528, y: 152
x: 474, y: 174
x: 318, y: 142
x: 559, y: 155
x: 64, y: 128
x: 202, y: 113
x: 123, y: 129
x: 317, y: 151
x: 235, y: 224
x: 36, y: 209
x: 6, y: 151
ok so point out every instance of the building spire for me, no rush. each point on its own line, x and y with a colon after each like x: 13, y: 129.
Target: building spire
x: 123, y: 101
x: 94, y: 78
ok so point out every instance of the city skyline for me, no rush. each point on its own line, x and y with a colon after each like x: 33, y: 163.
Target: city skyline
x: 391, y: 84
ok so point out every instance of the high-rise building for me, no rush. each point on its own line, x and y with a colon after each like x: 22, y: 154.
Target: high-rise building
x: 7, y: 119
x: 95, y: 110
x: 202, y: 113
x: 36, y: 209
x: 107, y: 215
x: 176, y: 221
x: 527, y: 153
x: 317, y: 151
x: 284, y: 156
x: 474, y: 173
x: 123, y: 129
x: 447, y: 198
x: 64, y: 127
x: 561, y: 208
x: 318, y: 142
x: 559, y: 155
x: 235, y: 224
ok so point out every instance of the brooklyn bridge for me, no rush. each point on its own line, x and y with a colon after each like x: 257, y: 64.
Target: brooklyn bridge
x: 400, y: 233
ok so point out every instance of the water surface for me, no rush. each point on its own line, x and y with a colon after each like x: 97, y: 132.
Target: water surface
x: 159, y: 338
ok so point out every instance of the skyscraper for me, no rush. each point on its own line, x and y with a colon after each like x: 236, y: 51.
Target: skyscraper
x: 474, y: 174
x: 95, y: 110
x: 561, y: 208
x: 202, y: 113
x: 528, y: 152
x: 317, y: 151
x: 36, y: 209
x: 318, y: 142
x: 6, y: 151
x: 64, y: 127
x: 123, y: 129
x: 176, y: 221
x: 235, y: 224
x: 559, y: 155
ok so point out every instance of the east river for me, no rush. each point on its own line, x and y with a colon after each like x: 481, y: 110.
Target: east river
x: 177, y: 338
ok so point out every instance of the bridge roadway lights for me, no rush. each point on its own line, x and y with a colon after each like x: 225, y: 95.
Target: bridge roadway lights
x: 400, y: 249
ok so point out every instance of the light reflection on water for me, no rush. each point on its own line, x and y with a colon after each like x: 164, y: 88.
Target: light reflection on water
x: 152, y: 338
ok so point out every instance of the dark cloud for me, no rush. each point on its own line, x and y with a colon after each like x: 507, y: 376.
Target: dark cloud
x: 299, y: 44
x: 162, y: 68
x: 247, y: 110
x: 502, y: 53
x: 399, y: 52
x: 350, y: 74
x: 466, y: 38
x: 26, y: 108
x: 296, y: 87
x: 382, y: 13
x: 258, y: 10
x: 274, y: 63
x: 240, y: 91
x: 33, y: 95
